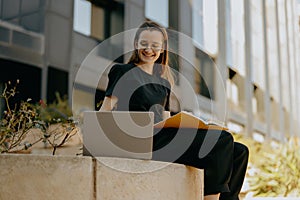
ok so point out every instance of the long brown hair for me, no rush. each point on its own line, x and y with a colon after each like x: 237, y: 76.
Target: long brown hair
x: 162, y: 69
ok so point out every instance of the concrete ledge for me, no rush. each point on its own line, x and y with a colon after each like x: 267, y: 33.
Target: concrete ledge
x: 130, y: 179
x: 83, y: 178
x: 45, y: 177
x: 272, y: 198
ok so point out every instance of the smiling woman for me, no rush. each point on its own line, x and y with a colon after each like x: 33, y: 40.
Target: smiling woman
x: 144, y: 84
x: 149, y: 48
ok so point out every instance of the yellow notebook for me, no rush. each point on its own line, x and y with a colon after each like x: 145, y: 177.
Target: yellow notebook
x: 184, y: 119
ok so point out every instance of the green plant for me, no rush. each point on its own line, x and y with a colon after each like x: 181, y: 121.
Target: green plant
x: 56, y: 112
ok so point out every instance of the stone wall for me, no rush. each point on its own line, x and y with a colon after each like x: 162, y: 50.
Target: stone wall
x: 83, y: 178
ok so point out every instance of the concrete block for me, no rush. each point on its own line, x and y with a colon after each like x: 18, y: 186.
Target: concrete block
x: 79, y: 177
x: 130, y: 179
x: 46, y: 177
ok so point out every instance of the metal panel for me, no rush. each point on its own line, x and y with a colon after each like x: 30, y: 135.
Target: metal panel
x: 62, y: 7
x: 58, y: 41
x: 1, y: 2
x: 21, y: 55
x: 4, y: 35
x: 27, y: 41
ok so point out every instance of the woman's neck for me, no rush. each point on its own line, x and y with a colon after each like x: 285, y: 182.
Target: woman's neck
x: 148, y: 68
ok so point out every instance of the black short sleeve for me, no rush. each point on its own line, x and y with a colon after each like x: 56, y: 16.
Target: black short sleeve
x: 114, y: 75
x: 137, y: 90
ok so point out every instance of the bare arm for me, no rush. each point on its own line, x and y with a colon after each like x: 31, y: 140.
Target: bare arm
x: 166, y: 115
x: 109, y: 103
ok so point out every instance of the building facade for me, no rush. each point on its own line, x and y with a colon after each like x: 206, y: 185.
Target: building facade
x: 238, y: 59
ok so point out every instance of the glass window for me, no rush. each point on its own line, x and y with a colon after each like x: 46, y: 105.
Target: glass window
x: 116, y: 20
x: 29, y: 77
x: 24, y: 13
x: 204, y: 74
x: 232, y: 92
x: 197, y: 9
x: 272, y: 48
x: 283, y: 53
x: 205, y: 25
x: 98, y: 20
x: 57, y: 83
x: 228, y: 35
x: 173, y: 54
x: 257, y: 42
x: 97, y: 26
x: 158, y: 10
x: 10, y: 10
x: 82, y: 17
x: 292, y: 59
x: 210, y: 26
x: 237, y: 36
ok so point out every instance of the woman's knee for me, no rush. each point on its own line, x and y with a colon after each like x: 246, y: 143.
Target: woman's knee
x: 241, y: 150
x: 225, y: 142
x: 227, y: 136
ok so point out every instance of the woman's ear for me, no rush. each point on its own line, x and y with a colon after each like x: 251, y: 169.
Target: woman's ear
x: 135, y: 45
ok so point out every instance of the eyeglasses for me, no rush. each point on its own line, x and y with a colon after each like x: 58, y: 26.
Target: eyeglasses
x: 153, y: 46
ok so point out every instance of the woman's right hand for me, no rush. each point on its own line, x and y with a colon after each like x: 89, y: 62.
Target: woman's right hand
x: 109, y: 103
x: 166, y: 115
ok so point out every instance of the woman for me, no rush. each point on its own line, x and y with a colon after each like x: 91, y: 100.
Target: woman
x: 144, y: 84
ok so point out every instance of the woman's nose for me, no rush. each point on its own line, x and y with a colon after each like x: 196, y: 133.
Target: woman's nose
x: 148, y: 48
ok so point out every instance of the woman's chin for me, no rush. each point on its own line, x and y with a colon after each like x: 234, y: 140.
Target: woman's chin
x: 148, y: 60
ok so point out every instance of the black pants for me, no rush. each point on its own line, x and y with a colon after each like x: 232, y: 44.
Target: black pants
x: 223, y: 160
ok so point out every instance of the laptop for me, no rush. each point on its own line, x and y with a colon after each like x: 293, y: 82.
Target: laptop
x: 118, y: 134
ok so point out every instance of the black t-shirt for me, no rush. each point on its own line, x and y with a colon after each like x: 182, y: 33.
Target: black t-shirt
x: 137, y: 90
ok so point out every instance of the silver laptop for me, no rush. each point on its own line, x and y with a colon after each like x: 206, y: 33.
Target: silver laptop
x: 118, y: 134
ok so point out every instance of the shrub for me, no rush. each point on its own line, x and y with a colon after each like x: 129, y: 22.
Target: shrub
x: 279, y: 173
x: 15, y: 123
x: 56, y: 112
x: 273, y: 170
x: 54, y: 122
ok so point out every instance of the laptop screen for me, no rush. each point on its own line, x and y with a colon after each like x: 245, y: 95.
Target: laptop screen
x: 118, y: 134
